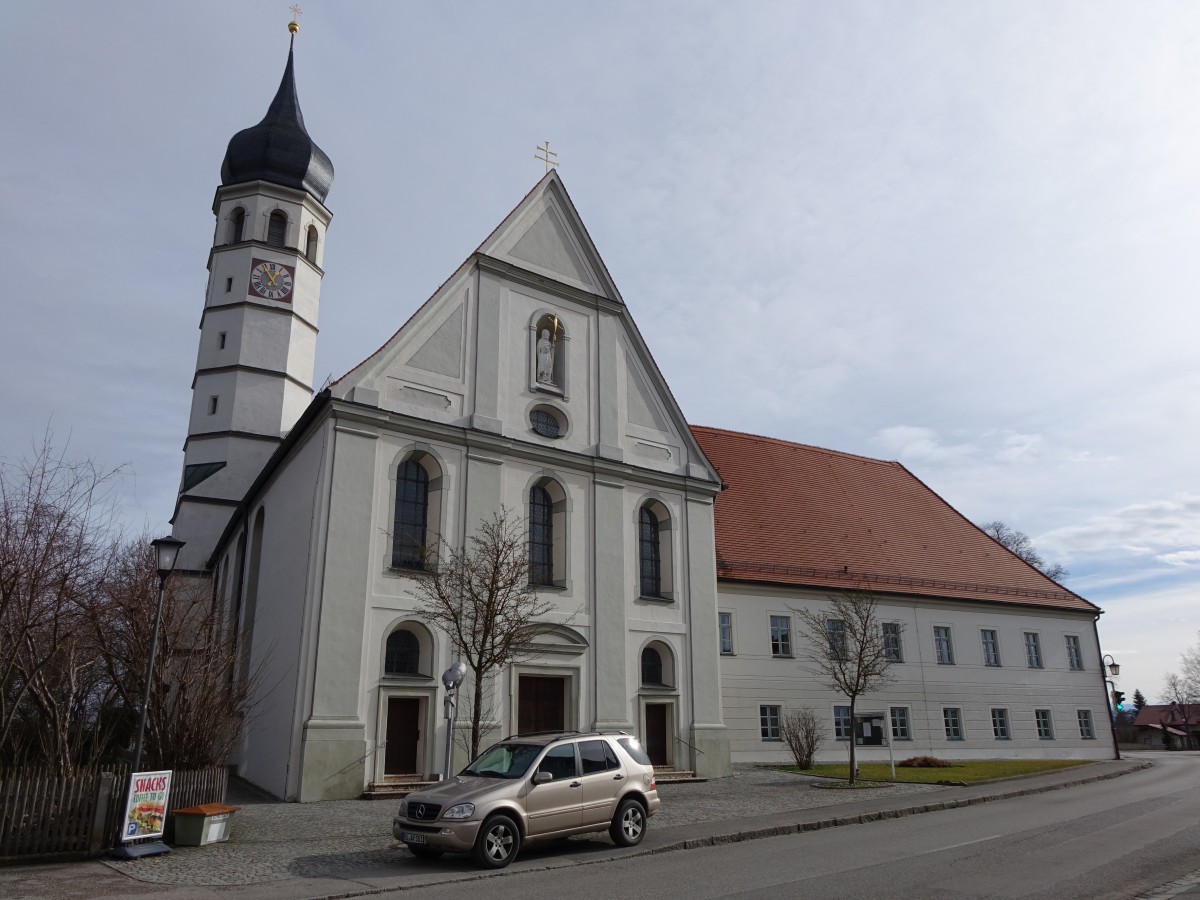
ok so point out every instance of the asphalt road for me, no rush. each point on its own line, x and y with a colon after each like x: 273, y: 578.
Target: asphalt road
x: 1122, y: 838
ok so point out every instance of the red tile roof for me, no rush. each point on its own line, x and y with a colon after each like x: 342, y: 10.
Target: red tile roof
x: 797, y: 515
x: 1154, y: 715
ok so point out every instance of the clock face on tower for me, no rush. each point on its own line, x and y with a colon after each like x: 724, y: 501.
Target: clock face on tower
x: 271, y: 280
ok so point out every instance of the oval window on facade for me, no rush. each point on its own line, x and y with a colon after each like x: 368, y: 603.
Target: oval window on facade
x: 546, y: 422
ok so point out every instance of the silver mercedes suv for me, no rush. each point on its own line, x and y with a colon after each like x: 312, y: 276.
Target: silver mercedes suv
x: 531, y: 788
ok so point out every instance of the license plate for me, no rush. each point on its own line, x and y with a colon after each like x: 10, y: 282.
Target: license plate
x: 409, y: 838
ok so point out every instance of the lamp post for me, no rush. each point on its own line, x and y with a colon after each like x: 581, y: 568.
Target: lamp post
x: 166, y: 552
x: 1114, y: 669
x: 451, y: 679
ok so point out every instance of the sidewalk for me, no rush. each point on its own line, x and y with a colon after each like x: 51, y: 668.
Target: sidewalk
x: 345, y: 848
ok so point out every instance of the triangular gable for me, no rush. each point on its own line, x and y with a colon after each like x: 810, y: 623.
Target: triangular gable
x: 545, y: 235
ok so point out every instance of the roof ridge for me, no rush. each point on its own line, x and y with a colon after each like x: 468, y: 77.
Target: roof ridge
x: 786, y: 443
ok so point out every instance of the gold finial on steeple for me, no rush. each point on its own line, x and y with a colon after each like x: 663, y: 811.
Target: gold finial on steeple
x: 547, y: 158
x: 294, y: 25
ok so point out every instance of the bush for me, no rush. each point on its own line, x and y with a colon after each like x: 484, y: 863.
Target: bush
x: 802, y: 732
x: 924, y: 762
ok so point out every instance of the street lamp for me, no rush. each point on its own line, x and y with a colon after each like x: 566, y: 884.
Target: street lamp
x: 451, y: 679
x: 166, y: 550
x: 1114, y: 669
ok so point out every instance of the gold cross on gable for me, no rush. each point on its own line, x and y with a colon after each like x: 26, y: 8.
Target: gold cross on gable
x: 548, y: 153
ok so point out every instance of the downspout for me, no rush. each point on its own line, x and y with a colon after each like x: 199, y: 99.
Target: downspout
x: 1112, y: 713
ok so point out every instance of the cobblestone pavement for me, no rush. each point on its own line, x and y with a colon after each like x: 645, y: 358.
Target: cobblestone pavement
x: 353, y: 838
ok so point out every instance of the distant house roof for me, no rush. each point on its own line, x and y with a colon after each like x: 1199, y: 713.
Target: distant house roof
x: 1153, y: 716
x: 798, y: 515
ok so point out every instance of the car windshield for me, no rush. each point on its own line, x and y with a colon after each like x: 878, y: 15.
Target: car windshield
x: 504, y: 761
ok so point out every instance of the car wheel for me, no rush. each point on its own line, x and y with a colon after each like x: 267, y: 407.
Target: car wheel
x: 498, y: 842
x: 629, y: 824
x: 425, y: 852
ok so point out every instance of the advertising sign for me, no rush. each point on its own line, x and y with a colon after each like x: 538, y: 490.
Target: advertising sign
x: 146, y: 812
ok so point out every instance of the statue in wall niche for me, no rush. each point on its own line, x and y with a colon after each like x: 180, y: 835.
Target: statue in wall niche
x: 545, y: 358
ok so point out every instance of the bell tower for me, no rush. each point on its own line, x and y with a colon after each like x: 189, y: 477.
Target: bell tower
x: 258, y: 330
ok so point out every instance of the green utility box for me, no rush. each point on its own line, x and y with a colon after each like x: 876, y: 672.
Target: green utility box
x: 207, y: 823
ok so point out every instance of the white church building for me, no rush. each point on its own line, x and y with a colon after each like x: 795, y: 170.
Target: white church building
x: 674, y: 557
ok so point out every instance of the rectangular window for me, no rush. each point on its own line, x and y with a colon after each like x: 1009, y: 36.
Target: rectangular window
x: 1000, y: 724
x: 768, y: 719
x: 781, y: 635
x: 991, y: 647
x: 943, y: 649
x: 899, y: 718
x: 1086, y: 730
x: 952, y: 716
x: 892, y: 649
x: 1074, y: 653
x: 221, y: 341
x: 1033, y: 650
x: 725, y: 624
x: 1045, y: 727
x: 212, y: 406
x: 835, y: 637
x: 841, y: 723
x: 228, y: 285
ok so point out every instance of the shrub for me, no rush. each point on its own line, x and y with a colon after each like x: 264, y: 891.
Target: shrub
x: 802, y: 732
x: 924, y: 762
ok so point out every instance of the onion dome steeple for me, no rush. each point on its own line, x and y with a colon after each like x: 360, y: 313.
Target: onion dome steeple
x: 278, y: 149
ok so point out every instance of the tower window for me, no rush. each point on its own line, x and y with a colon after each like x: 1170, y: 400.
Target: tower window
x: 228, y: 285
x: 310, y: 248
x: 277, y: 229
x: 237, y: 226
x: 212, y: 406
x: 221, y: 341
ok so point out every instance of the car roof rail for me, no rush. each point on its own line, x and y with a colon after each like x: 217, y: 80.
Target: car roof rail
x: 562, y: 731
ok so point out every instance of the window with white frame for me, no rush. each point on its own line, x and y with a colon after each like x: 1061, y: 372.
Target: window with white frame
x: 893, y: 650
x: 1033, y: 650
x: 1074, y: 653
x: 781, y: 635
x: 1087, y: 730
x: 899, y: 719
x: 1000, y: 724
x: 991, y: 646
x: 952, y: 718
x: 725, y: 628
x: 942, y: 646
x: 768, y: 720
x: 1044, y: 726
x: 841, y: 723
x: 835, y: 638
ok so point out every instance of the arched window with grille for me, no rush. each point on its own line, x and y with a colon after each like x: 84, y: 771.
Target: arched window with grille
x: 237, y: 226
x: 403, y: 654
x: 411, y: 519
x: 277, y: 229
x: 652, y: 667
x: 541, y: 536
x: 649, y: 554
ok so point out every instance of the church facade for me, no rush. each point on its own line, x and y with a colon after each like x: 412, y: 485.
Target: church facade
x: 523, y: 385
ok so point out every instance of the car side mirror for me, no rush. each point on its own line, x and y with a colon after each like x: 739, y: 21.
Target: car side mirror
x: 542, y: 777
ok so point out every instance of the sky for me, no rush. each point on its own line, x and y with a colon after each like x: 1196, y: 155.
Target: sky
x: 958, y: 235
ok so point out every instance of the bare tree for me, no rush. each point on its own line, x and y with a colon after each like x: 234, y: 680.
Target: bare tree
x: 848, y: 649
x: 481, y: 597
x: 56, y: 533
x: 801, y: 731
x: 1189, y: 669
x: 1019, y: 543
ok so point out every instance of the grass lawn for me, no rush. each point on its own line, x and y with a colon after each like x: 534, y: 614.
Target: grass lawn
x: 964, y: 770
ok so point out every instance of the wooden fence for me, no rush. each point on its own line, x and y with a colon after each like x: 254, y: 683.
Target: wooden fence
x: 80, y: 814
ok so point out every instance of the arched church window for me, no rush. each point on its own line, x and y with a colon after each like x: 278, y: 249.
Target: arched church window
x: 412, y: 516
x: 403, y: 654
x: 541, y: 536
x: 649, y: 556
x: 237, y: 226
x: 652, y: 667
x: 277, y: 229
x: 310, y: 249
